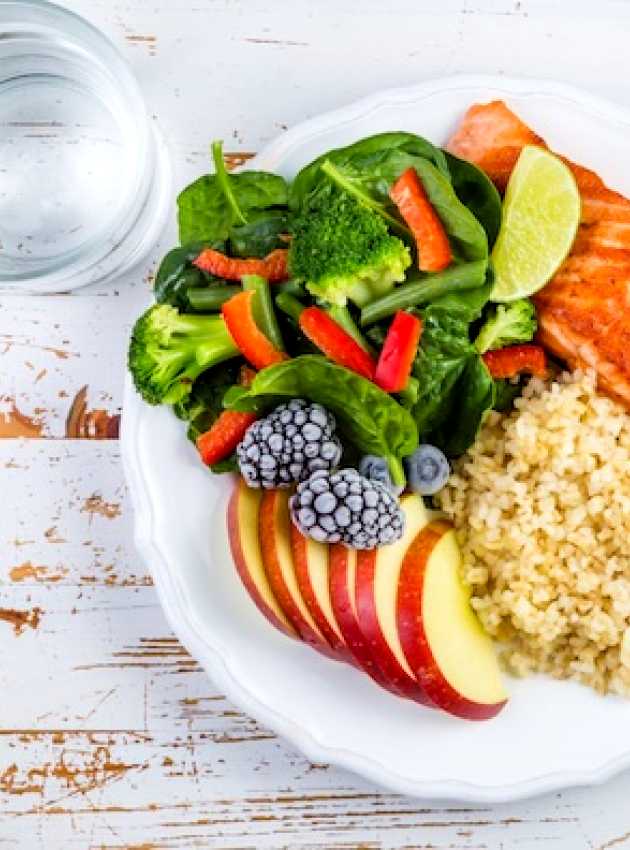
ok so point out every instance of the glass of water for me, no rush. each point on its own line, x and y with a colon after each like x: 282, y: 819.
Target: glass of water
x: 84, y: 176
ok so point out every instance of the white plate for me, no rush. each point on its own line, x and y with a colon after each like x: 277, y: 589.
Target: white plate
x: 552, y: 734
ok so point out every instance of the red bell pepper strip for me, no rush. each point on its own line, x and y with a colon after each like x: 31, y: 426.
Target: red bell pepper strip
x: 399, y: 349
x: 273, y: 267
x: 226, y: 433
x: 409, y: 195
x: 511, y: 361
x: 249, y: 339
x: 336, y: 343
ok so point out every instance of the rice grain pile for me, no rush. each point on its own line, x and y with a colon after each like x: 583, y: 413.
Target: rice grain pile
x: 541, y: 504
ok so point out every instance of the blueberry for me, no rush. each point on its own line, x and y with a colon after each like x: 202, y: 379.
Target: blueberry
x: 427, y: 470
x: 376, y: 469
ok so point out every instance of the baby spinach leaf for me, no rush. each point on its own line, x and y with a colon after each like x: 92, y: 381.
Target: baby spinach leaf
x: 368, y: 418
x: 363, y: 157
x: 205, y: 213
x: 472, y: 400
x: 466, y: 235
x: 442, y: 357
x: 204, y: 403
x: 262, y: 233
x: 223, y: 179
x: 239, y: 398
x: 177, y: 274
x: 475, y: 189
x: 451, y: 385
x: 216, y: 203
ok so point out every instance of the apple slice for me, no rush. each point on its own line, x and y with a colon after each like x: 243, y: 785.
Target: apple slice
x: 242, y: 523
x: 342, y: 576
x: 376, y: 592
x: 310, y: 562
x: 274, y: 525
x: 444, y: 642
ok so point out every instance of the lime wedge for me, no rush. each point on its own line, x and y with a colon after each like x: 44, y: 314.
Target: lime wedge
x: 541, y: 213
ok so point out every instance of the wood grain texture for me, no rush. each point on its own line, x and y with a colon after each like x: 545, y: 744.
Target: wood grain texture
x: 110, y: 734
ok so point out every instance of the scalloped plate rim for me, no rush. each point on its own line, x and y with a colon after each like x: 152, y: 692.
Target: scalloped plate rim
x: 167, y: 588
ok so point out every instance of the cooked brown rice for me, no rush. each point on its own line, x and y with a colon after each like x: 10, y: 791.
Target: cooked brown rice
x: 541, y: 503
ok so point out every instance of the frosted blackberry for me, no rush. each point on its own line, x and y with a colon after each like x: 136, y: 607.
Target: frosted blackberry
x: 295, y: 440
x: 344, y: 507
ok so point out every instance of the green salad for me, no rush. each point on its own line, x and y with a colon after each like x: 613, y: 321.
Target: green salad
x: 364, y: 284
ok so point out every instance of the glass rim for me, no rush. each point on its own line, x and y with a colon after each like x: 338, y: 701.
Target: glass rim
x: 138, y: 221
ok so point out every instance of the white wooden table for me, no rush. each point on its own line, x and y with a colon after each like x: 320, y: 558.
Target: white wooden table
x: 110, y: 734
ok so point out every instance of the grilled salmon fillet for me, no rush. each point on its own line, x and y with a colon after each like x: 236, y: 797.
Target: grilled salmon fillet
x: 584, y: 311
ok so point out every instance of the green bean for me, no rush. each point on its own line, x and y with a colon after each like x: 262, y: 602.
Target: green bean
x: 264, y: 314
x: 342, y: 316
x: 289, y: 305
x: 417, y: 292
x: 292, y: 287
x: 207, y: 299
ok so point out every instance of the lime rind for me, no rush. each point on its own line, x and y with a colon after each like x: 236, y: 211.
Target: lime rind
x: 541, y: 214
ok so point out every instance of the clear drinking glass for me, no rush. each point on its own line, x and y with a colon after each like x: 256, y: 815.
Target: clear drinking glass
x: 84, y: 176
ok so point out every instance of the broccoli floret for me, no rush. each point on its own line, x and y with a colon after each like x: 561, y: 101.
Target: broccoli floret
x: 507, y: 325
x: 168, y: 350
x: 342, y: 250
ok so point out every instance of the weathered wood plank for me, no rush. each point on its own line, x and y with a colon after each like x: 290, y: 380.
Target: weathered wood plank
x: 69, y: 518
x: 70, y: 786
x: 221, y: 48
x: 50, y: 348
x: 96, y: 790
x: 103, y: 657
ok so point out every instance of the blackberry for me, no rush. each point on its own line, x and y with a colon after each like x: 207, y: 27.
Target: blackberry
x: 293, y: 441
x: 347, y: 508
